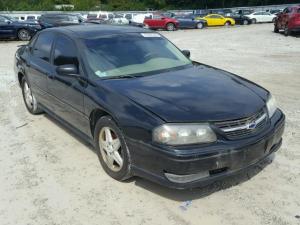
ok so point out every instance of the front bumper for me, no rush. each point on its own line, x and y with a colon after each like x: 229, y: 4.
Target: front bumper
x: 211, y: 162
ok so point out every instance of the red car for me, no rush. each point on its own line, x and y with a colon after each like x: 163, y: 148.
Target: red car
x: 288, y: 20
x: 161, y: 22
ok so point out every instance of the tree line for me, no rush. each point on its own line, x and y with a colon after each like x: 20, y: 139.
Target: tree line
x: 32, y: 5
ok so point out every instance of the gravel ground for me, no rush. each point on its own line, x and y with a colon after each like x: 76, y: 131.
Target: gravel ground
x: 49, y: 176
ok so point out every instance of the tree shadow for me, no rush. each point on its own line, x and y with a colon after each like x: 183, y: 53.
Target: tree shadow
x: 198, y: 193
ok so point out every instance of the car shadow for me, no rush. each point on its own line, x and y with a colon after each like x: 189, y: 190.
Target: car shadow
x: 71, y: 133
x: 198, y: 193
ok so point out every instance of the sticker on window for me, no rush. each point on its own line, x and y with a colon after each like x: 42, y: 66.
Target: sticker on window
x: 150, y: 35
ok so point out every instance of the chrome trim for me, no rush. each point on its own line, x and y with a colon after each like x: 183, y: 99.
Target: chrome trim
x: 246, y: 126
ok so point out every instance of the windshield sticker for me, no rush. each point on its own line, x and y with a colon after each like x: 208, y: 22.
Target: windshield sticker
x: 150, y: 35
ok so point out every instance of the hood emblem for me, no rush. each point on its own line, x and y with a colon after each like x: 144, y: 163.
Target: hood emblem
x: 252, y: 125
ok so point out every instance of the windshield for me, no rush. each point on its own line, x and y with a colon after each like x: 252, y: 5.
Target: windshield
x: 135, y: 53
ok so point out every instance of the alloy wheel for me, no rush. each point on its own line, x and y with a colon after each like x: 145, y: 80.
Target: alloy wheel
x: 28, y: 96
x: 200, y: 25
x: 170, y: 27
x: 24, y: 35
x: 245, y: 22
x: 110, y: 148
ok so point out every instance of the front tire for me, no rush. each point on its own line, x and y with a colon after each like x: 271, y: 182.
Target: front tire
x: 24, y: 35
x: 200, y: 26
x: 227, y: 24
x: 170, y: 27
x: 254, y: 21
x: 112, y: 150
x: 245, y: 22
x: 287, y: 31
x: 29, y: 99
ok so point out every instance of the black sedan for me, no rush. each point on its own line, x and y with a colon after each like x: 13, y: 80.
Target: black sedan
x: 241, y: 19
x: 190, y: 21
x: 11, y: 28
x: 146, y: 107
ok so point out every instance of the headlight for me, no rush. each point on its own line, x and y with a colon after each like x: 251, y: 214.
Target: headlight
x: 183, y: 134
x: 271, y: 106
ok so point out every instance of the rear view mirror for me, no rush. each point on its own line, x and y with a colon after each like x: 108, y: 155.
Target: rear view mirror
x: 187, y: 53
x: 67, y: 70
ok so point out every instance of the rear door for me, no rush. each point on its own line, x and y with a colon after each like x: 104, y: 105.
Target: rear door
x: 67, y: 92
x: 38, y: 66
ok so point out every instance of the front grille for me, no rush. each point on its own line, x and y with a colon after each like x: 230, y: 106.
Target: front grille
x: 237, y: 129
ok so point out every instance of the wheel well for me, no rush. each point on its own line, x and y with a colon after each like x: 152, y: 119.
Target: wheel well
x: 228, y: 21
x: 20, y: 77
x: 95, y: 115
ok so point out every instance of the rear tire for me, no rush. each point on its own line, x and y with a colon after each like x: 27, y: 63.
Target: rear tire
x: 276, y: 30
x: 170, y: 27
x: 114, y: 160
x: 245, y: 22
x: 24, y: 35
x: 29, y: 99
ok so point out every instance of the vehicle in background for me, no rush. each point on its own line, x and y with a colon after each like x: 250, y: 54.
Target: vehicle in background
x: 29, y: 17
x: 12, y: 28
x: 262, y: 17
x: 190, y: 21
x: 275, y: 11
x: 288, y: 20
x: 244, y: 12
x: 129, y: 16
x: 59, y: 19
x: 218, y: 20
x: 161, y: 22
x: 101, y: 15
x: 223, y: 12
x: 241, y: 19
x: 119, y: 19
x: 138, y: 20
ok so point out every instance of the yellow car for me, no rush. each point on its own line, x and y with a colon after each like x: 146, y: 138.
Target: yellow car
x: 218, y: 20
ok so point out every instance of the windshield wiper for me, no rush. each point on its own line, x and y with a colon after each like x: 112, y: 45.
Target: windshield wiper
x: 119, y: 77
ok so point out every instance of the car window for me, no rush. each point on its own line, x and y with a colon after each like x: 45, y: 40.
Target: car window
x: 30, y: 17
x: 65, y: 52
x: 110, y: 16
x: 128, y: 16
x: 298, y: 11
x: 42, y: 46
x: 103, y: 16
x: 2, y: 19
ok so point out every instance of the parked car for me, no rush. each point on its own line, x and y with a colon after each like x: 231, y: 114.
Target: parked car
x: 244, y: 12
x: 11, y: 28
x: 138, y: 20
x: 276, y: 11
x: 59, y: 19
x: 119, y: 19
x: 288, y: 20
x: 161, y: 22
x: 218, y: 20
x: 241, y: 19
x: 190, y: 21
x: 152, y: 113
x: 262, y: 17
x: 101, y: 15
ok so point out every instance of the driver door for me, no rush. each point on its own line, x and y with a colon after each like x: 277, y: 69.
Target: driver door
x: 67, y: 92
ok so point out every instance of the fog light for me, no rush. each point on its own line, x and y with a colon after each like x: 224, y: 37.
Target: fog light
x: 186, y: 178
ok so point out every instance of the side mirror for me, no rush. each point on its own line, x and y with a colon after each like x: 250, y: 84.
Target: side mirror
x: 67, y: 70
x: 187, y: 53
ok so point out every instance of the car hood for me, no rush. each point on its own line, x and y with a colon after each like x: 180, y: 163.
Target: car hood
x: 194, y: 94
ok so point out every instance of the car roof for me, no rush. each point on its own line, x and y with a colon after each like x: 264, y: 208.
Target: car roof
x: 91, y: 31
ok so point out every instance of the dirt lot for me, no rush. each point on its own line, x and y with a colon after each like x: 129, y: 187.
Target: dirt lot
x: 49, y: 176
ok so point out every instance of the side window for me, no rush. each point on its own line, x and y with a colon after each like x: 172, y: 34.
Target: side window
x: 65, y: 52
x: 2, y: 19
x: 42, y: 46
